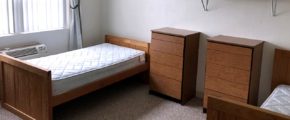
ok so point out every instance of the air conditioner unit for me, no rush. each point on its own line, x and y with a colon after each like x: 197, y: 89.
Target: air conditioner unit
x: 27, y: 52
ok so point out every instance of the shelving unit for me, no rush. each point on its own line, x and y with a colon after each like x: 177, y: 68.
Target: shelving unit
x: 274, y: 6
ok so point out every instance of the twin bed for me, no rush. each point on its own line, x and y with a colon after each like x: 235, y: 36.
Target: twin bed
x: 32, y: 88
x: 276, y: 107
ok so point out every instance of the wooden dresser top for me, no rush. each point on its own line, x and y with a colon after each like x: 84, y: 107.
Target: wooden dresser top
x: 174, y: 32
x: 244, y: 42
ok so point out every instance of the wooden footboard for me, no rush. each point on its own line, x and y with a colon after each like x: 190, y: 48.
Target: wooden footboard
x: 221, y: 109
x: 26, y: 90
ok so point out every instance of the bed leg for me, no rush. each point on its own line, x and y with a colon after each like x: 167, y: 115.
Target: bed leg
x: 145, y: 77
x: 204, y: 110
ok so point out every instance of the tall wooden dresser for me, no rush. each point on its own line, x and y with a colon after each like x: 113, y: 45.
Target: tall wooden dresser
x: 173, y: 63
x: 233, y: 69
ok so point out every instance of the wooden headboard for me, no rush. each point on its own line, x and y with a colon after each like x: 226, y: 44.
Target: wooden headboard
x: 130, y: 43
x: 281, y: 68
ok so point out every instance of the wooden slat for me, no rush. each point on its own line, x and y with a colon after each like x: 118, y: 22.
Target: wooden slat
x: 230, y: 48
x: 281, y: 68
x: 228, y: 73
x: 221, y: 109
x: 163, y: 37
x: 22, y: 82
x: 230, y: 88
x: 166, y: 59
x: 167, y: 47
x: 1, y: 82
x: 166, y: 71
x: 208, y: 92
x: 9, y: 86
x: 165, y: 85
x: 34, y: 95
x: 231, y: 60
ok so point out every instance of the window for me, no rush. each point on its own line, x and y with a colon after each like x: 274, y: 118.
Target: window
x: 18, y: 16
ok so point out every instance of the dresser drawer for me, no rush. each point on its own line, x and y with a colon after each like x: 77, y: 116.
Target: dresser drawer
x: 166, y: 71
x: 208, y: 92
x: 226, y: 87
x: 228, y: 59
x: 168, y: 38
x: 167, y: 47
x: 166, y: 59
x: 165, y: 85
x: 230, y: 48
x: 228, y: 73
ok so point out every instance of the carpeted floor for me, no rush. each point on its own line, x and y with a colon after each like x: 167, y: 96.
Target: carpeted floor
x: 128, y: 100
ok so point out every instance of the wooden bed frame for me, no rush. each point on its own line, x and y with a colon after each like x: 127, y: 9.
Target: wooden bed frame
x: 26, y: 90
x: 222, y: 109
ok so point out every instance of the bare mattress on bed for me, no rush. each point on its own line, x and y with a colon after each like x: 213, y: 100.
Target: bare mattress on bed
x: 80, y: 67
x: 279, y: 100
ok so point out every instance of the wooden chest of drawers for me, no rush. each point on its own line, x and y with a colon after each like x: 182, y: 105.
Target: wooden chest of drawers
x: 233, y: 69
x: 173, y: 63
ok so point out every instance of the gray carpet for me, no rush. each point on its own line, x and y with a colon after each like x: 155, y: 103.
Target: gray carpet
x: 128, y: 100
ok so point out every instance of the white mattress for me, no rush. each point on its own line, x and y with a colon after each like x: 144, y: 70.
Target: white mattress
x: 279, y: 100
x: 79, y: 67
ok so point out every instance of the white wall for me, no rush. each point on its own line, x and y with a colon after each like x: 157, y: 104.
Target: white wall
x: 57, y: 40
x: 241, y: 18
x: 90, y: 17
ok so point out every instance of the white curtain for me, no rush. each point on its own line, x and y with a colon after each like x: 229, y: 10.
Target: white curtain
x: 75, y: 41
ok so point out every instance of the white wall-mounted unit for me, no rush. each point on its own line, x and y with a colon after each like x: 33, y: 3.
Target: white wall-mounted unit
x: 27, y: 52
x: 274, y: 6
